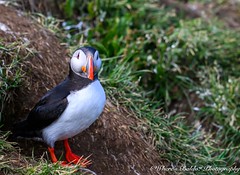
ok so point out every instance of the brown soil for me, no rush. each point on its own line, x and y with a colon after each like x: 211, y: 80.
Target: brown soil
x: 115, y: 141
x: 116, y: 147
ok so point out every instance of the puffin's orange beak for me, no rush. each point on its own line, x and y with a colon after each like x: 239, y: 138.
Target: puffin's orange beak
x: 90, y: 69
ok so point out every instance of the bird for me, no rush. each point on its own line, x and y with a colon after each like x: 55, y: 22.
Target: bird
x: 69, y: 108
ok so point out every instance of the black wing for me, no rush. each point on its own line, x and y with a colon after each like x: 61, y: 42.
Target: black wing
x: 45, y: 112
x: 49, y: 108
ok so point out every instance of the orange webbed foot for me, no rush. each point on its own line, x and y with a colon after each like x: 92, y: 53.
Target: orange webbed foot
x: 54, y: 159
x: 75, y: 159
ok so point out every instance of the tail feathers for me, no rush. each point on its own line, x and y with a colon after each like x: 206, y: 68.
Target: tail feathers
x: 24, y: 129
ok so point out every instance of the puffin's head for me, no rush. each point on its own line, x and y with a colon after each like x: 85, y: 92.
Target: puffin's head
x: 86, y: 62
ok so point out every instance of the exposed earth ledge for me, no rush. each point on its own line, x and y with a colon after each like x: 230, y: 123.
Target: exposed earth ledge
x: 115, y: 141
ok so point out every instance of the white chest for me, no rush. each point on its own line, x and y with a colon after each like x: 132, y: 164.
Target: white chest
x: 84, y: 107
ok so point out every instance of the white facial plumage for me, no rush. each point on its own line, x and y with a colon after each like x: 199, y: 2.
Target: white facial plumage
x: 97, y: 62
x: 78, y: 60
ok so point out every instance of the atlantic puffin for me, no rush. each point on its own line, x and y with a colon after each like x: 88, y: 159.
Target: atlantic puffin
x: 69, y: 108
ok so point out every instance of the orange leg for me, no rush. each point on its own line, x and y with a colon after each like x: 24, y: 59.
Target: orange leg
x: 53, y: 156
x: 73, y: 158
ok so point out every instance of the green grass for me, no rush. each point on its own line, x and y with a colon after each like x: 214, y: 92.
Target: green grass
x: 153, y: 57
x: 149, y: 52
x: 11, y: 162
x: 12, y: 55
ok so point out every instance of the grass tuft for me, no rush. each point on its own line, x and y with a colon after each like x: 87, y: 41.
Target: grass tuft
x: 12, y: 55
x: 153, y: 57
